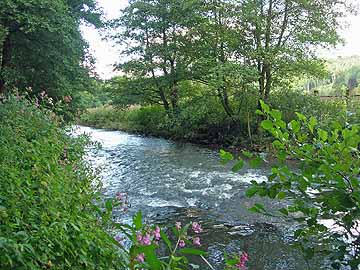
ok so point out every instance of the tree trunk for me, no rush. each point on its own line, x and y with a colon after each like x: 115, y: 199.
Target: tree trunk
x: 164, y: 101
x: 268, y: 83
x: 174, y: 98
x: 222, y: 93
x: 5, y: 61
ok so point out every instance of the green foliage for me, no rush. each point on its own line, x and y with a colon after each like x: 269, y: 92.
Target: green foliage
x: 324, y: 187
x: 42, y: 47
x: 228, y: 47
x: 48, y: 219
x: 289, y: 102
x: 343, y: 74
x: 53, y: 215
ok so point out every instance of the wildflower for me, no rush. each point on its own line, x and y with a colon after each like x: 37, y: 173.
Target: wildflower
x: 242, y: 261
x: 196, y: 241
x: 157, y: 235
x: 182, y: 243
x: 139, y: 237
x: 178, y: 225
x: 118, y: 238
x: 119, y: 196
x: 146, y: 240
x: 196, y: 227
x: 140, y: 258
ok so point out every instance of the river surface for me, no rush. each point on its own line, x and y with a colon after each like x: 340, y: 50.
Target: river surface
x: 170, y: 181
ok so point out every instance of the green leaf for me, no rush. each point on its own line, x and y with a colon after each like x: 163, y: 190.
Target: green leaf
x: 258, y: 112
x: 284, y: 211
x: 250, y: 192
x: 247, y: 154
x: 281, y: 195
x: 166, y: 239
x: 276, y: 114
x: 225, y: 156
x: 295, y: 126
x: 300, y: 116
x: 258, y: 208
x: 238, y: 166
x: 267, y: 124
x: 312, y: 124
x: 137, y: 220
x: 256, y: 162
x: 151, y: 257
x: 109, y: 205
x: 323, y: 135
x: 264, y: 107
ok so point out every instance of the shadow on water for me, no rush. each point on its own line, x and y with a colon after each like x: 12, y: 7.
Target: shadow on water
x: 171, y: 182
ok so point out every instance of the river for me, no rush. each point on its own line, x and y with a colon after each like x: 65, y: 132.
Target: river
x: 170, y: 181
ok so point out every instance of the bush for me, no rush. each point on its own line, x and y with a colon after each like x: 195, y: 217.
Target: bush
x: 47, y: 215
x: 289, y: 102
x: 324, y: 188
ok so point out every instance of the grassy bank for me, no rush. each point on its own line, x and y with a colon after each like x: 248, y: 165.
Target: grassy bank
x: 206, y: 123
x: 48, y: 219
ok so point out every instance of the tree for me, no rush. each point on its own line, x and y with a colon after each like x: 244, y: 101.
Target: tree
x: 280, y: 37
x: 42, y: 46
x: 156, y: 35
x: 216, y: 63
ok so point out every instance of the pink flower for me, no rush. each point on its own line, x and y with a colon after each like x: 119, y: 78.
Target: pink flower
x: 119, y: 196
x: 196, y: 241
x: 178, y: 225
x: 146, y: 240
x: 240, y: 265
x: 140, y: 258
x: 118, y: 238
x: 182, y: 243
x: 244, y: 257
x: 139, y: 237
x: 196, y: 227
x: 157, y: 235
x: 242, y: 261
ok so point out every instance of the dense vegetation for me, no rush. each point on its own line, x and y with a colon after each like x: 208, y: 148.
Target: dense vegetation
x: 324, y: 188
x: 342, y: 79
x: 194, y: 70
x: 42, y: 49
x: 48, y: 219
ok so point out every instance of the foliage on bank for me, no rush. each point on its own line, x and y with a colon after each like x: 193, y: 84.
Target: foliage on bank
x: 202, y: 120
x: 48, y: 219
x: 52, y: 212
x: 323, y: 192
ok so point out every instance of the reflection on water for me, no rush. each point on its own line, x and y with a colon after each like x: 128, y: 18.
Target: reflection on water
x: 171, y: 181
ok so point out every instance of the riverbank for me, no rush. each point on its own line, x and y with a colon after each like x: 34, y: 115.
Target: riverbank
x: 48, y: 218
x: 153, y: 121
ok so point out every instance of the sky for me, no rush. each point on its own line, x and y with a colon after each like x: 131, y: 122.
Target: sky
x: 107, y: 55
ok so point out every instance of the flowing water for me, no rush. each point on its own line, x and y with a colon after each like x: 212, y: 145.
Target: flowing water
x: 170, y: 181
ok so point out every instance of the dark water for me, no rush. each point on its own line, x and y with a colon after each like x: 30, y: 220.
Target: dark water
x: 172, y: 182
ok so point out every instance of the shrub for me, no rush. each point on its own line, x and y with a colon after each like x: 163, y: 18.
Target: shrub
x: 47, y: 215
x: 289, y: 102
x: 323, y: 189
